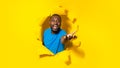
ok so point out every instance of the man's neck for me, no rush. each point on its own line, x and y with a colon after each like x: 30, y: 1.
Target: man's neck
x: 55, y: 32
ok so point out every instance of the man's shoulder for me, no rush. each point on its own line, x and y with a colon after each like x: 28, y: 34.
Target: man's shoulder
x: 63, y: 31
x: 47, y: 30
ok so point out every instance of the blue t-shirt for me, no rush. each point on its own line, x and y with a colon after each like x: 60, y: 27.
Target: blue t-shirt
x: 53, y: 41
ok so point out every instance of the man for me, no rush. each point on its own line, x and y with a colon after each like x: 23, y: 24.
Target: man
x: 54, y: 37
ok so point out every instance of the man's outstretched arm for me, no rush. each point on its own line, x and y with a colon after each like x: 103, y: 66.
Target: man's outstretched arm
x: 67, y: 37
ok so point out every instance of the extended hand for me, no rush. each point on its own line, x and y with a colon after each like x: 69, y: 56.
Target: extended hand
x: 70, y: 36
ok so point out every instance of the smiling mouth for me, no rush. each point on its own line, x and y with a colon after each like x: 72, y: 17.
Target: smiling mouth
x: 55, y: 27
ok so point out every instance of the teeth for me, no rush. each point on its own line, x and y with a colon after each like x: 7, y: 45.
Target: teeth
x: 54, y: 26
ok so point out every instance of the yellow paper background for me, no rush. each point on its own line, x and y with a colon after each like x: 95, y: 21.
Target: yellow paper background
x: 98, y: 22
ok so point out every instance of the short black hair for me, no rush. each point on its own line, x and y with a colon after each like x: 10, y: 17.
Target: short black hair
x: 57, y: 16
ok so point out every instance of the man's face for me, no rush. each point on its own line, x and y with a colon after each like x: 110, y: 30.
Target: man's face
x: 55, y: 23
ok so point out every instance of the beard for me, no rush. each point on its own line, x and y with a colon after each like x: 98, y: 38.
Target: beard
x: 55, y: 29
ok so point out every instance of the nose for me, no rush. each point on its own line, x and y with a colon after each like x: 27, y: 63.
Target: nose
x: 56, y: 22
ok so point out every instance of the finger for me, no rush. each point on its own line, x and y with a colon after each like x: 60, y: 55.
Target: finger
x: 74, y: 36
x: 73, y: 33
x: 69, y: 36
